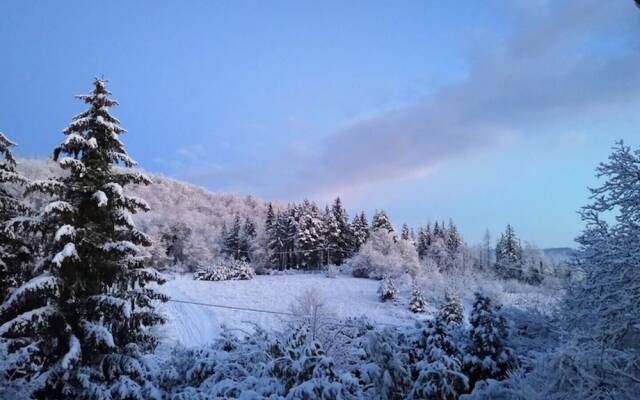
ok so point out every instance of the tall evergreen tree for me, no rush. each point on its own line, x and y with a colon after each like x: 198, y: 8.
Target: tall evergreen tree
x: 488, y: 356
x: 381, y: 221
x: 509, y: 255
x: 87, y: 314
x: 232, y: 240
x: 269, y: 219
x: 309, y: 235
x: 359, y: 231
x: 405, y: 234
x: 15, y: 253
x: 343, y: 235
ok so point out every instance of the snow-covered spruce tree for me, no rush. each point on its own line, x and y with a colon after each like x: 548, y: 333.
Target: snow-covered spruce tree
x: 86, y: 314
x: 384, y: 373
x: 438, y: 368
x: 405, y: 234
x: 308, y: 240
x: 14, y: 251
x: 330, y: 237
x: 387, y: 290
x: 232, y: 240
x: 359, y: 231
x: 509, y: 255
x: 248, y: 239
x: 488, y: 356
x: 344, y: 235
x: 381, y: 221
x: 452, y: 311
x: 417, y: 303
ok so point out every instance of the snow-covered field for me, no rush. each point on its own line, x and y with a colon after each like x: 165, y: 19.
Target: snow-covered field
x: 192, y: 325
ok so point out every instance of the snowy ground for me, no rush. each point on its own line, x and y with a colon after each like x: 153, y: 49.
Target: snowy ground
x: 192, y: 325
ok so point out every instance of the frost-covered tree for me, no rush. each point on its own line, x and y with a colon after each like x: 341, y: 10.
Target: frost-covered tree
x: 85, y: 317
x: 381, y: 221
x: 452, y: 311
x: 424, y: 241
x: 175, y: 240
x: 485, y: 251
x: 232, y: 240
x: 438, y: 370
x: 488, y: 356
x: 359, y: 231
x: 405, y: 234
x: 603, y: 310
x: 248, y: 238
x: 417, y: 303
x: 382, y: 254
x: 387, y: 289
x: 15, y: 252
x: 343, y: 235
x: 309, y: 240
x: 331, y: 238
x: 385, y: 375
x: 509, y: 255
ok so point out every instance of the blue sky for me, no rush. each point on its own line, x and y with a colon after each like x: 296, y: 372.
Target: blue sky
x: 489, y: 112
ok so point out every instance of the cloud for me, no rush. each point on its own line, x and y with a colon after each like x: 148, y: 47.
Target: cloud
x: 562, y: 60
x: 559, y: 61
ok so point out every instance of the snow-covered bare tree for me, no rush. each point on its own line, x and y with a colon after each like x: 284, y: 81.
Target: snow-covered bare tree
x: 86, y: 315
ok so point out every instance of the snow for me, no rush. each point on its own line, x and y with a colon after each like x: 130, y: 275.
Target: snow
x: 73, y: 354
x: 39, y: 282
x: 65, y: 231
x: 69, y: 251
x: 59, y: 207
x: 194, y: 325
x: 100, y: 198
x: 123, y: 246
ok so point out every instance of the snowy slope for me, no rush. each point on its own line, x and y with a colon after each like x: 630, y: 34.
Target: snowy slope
x: 191, y: 325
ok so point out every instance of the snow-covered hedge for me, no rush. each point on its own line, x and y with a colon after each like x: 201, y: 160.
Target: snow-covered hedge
x: 226, y: 270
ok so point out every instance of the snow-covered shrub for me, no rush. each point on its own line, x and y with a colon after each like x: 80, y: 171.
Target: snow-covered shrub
x: 226, y: 270
x: 384, y: 373
x: 332, y: 271
x: 383, y: 253
x: 438, y: 369
x: 488, y: 356
x: 387, y: 289
x: 452, y: 311
x: 417, y: 303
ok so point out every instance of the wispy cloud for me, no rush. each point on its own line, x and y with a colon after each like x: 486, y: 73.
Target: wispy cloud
x: 562, y: 59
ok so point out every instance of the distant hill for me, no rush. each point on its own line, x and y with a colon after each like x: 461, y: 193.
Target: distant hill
x: 560, y: 254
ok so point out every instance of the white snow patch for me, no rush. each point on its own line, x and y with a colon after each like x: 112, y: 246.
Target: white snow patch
x: 73, y: 353
x: 69, y: 251
x: 65, y: 231
x: 100, y: 198
x: 194, y: 325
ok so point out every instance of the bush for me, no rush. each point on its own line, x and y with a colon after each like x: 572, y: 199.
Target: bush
x: 226, y: 270
x: 383, y: 253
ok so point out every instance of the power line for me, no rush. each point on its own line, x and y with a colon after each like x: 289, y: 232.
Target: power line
x: 274, y: 312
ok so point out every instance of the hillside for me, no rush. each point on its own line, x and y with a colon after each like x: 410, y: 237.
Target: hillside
x: 195, y: 212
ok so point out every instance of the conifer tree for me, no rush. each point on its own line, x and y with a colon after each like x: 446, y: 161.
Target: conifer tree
x: 86, y: 315
x: 438, y: 370
x: 404, y: 233
x: 15, y: 253
x: 381, y: 221
x: 232, y: 245
x: 343, y: 233
x: 488, y: 356
x: 309, y: 235
x: 417, y: 303
x: 452, y: 311
x: 277, y: 241
x: 359, y: 231
x: 509, y: 255
x: 387, y: 290
x: 269, y: 219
